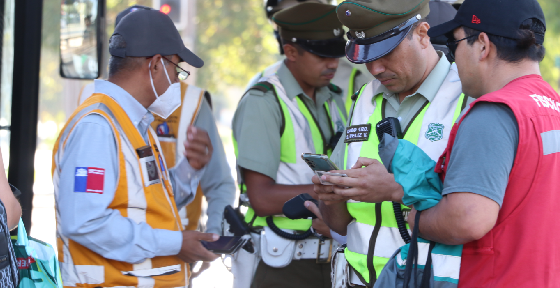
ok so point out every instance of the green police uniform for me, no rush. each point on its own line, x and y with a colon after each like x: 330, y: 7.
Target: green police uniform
x: 274, y: 123
x: 426, y: 117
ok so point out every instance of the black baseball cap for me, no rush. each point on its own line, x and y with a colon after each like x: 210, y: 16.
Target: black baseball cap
x: 128, y: 10
x: 496, y: 17
x: 150, y: 32
x: 440, y: 12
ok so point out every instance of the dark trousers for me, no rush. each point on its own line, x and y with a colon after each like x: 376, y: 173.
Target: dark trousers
x: 298, y: 274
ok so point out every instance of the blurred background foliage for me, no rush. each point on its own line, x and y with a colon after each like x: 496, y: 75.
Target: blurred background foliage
x: 235, y: 40
x: 550, y: 67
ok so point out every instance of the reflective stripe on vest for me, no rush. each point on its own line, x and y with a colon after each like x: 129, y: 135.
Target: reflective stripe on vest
x: 429, y: 130
x: 176, y: 127
x: 156, y: 207
x: 302, y: 134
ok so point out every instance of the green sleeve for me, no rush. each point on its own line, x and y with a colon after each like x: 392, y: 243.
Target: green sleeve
x: 256, y: 128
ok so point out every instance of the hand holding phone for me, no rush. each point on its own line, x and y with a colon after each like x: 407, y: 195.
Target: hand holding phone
x: 226, y: 244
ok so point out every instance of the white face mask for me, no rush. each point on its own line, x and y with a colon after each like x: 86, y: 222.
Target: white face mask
x: 167, y: 102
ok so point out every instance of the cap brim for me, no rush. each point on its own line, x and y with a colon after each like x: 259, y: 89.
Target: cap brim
x: 443, y: 29
x: 364, y: 53
x: 187, y: 56
x: 332, y: 48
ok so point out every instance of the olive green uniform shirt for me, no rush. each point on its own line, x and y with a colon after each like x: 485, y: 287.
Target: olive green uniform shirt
x: 258, y: 120
x: 409, y: 107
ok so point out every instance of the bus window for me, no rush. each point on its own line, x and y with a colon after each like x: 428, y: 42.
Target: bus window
x: 80, y: 43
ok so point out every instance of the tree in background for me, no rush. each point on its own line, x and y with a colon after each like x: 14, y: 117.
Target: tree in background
x: 550, y: 67
x: 235, y: 40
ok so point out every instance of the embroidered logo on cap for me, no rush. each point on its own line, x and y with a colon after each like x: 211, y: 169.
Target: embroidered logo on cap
x: 336, y: 32
x: 348, y: 13
x: 89, y: 180
x: 475, y: 19
x: 361, y: 34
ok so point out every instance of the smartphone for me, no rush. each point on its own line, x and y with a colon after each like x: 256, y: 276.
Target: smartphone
x: 225, y: 245
x: 318, y: 162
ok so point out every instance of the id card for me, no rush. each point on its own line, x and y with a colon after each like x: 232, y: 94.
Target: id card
x: 149, y: 166
x: 357, y: 133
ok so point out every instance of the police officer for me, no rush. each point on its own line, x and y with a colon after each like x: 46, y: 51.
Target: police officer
x: 415, y: 83
x: 349, y: 77
x: 116, y: 199
x: 294, y: 111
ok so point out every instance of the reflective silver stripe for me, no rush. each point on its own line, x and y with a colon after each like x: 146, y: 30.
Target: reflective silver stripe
x: 154, y: 271
x: 388, y: 241
x: 551, y: 142
x: 447, y: 266
x: 193, y: 97
x: 294, y: 173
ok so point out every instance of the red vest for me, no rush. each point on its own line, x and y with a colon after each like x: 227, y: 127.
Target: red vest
x: 523, y: 248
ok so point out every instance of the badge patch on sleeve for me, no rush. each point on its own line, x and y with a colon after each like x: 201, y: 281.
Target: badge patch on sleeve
x: 89, y: 180
x: 357, y: 133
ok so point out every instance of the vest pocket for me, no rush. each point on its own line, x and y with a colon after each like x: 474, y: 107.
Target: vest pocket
x: 478, y: 259
x: 168, y: 270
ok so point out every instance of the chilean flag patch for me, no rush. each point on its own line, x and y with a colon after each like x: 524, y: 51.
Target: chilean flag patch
x: 89, y: 180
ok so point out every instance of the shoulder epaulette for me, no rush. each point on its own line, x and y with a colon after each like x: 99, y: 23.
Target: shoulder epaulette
x: 262, y: 86
x: 354, y: 97
x: 335, y: 88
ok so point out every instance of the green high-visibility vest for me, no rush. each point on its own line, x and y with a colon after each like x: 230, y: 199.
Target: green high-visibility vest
x: 429, y: 130
x: 300, y: 134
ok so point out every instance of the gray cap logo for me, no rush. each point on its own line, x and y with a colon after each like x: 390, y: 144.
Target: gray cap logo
x: 336, y: 32
x: 361, y: 34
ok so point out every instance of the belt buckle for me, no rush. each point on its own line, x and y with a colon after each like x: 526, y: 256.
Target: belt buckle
x: 320, y: 260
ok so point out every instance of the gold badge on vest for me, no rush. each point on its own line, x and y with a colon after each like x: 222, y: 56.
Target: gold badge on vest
x: 357, y: 133
x: 149, y: 166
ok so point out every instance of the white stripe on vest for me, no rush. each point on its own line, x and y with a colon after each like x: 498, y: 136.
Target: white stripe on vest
x: 297, y: 173
x: 188, y: 108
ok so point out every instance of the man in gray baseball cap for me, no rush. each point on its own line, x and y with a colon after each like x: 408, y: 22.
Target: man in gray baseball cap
x: 116, y: 199
x: 150, y: 32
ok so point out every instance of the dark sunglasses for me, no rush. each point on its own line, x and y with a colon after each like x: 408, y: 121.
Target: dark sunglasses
x: 452, y: 44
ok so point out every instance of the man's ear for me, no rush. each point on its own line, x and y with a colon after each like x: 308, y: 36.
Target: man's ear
x: 422, y: 32
x: 290, y: 51
x: 155, y: 64
x: 484, y: 46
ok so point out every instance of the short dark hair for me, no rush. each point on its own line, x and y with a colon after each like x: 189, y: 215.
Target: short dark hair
x: 414, y: 26
x: 299, y: 49
x: 516, y: 50
x: 118, y: 64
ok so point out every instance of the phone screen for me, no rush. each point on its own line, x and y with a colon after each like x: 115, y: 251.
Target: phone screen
x: 224, y: 245
x: 318, y: 162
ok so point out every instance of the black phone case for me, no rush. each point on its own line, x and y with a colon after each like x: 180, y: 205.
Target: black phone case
x: 224, y: 248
